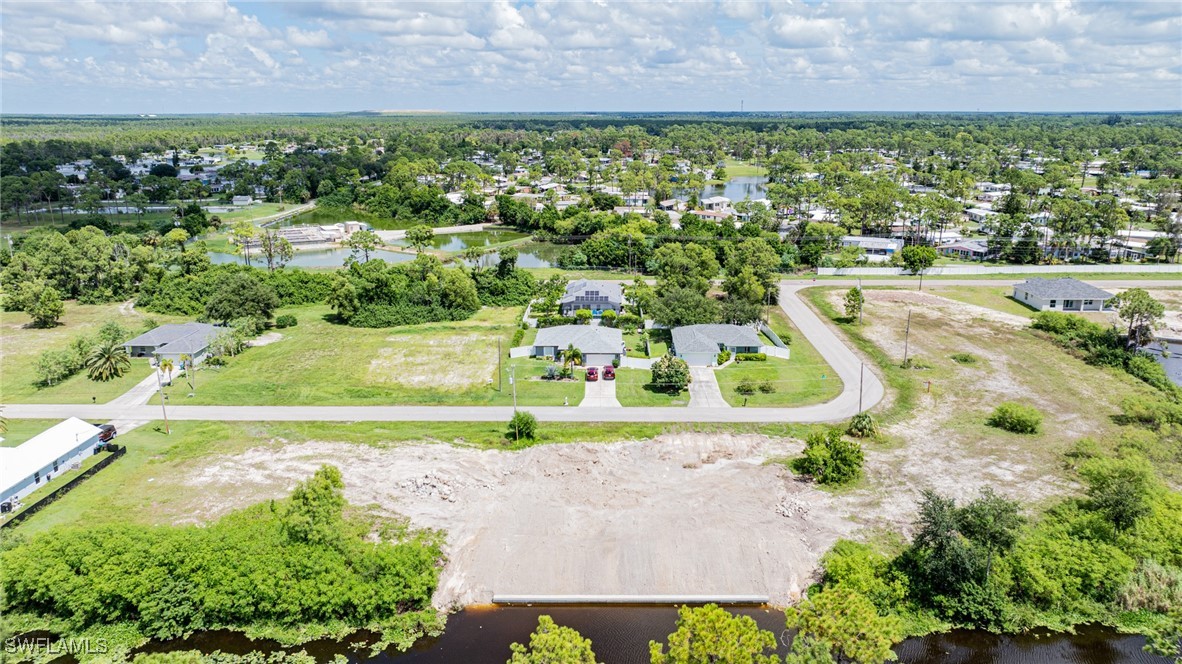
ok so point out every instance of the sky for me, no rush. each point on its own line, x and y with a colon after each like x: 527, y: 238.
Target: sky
x: 208, y: 56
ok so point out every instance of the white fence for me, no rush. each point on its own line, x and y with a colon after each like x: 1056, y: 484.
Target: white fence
x: 520, y: 351
x: 775, y: 351
x: 969, y: 270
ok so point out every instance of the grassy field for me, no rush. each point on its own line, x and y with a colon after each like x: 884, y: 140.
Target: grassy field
x: 23, y: 345
x: 21, y: 430
x: 991, y: 297
x: 795, y: 383
x: 147, y: 484
x: 1082, y: 274
x: 633, y: 389
x: 252, y: 212
x: 322, y: 363
x: 738, y: 169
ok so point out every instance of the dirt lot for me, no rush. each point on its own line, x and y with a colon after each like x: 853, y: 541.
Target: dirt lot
x: 687, y: 513
x: 452, y: 361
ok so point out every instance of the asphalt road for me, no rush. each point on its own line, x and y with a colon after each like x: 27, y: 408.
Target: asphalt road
x: 845, y: 362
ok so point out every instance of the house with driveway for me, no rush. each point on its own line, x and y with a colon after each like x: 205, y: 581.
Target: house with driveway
x: 699, y: 345
x: 598, y: 296
x: 174, y: 340
x: 1065, y: 294
x: 599, y: 345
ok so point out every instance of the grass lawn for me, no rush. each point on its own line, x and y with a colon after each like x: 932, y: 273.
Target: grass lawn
x: 1011, y: 278
x: 633, y: 389
x: 322, y: 363
x: 255, y: 211
x: 23, y: 345
x: 21, y: 430
x: 738, y: 169
x: 58, y: 479
x: 991, y: 297
x: 658, y: 344
x: 795, y: 383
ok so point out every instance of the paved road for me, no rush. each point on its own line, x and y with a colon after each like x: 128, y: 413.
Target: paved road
x: 703, y: 389
x: 846, y: 364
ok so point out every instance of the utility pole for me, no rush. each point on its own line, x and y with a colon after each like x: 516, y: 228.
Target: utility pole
x: 861, y: 380
x: 160, y: 387
x: 513, y: 383
x: 907, y: 338
x: 499, y: 379
x: 863, y: 294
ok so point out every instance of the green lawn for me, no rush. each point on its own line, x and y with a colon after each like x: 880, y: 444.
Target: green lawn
x: 991, y: 297
x: 255, y: 211
x: 21, y: 430
x: 57, y: 480
x: 319, y: 362
x: 633, y: 389
x: 23, y: 345
x: 738, y: 169
x: 798, y: 381
x: 658, y: 344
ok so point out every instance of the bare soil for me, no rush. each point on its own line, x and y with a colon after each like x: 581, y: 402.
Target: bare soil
x: 455, y: 361
x: 682, y: 514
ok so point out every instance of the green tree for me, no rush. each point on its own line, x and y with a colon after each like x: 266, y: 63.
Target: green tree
x: 176, y: 237
x: 523, y: 424
x: 709, y: 634
x: 363, y: 242
x: 1141, y: 312
x: 241, y: 295
x: 1120, y: 489
x: 342, y: 297
x: 848, y: 623
x: 992, y: 522
x: 243, y: 234
x: 679, y: 306
x: 830, y: 458
x: 48, y: 308
x: 313, y: 515
x: 690, y: 266
x: 276, y: 250
x: 106, y: 361
x: 553, y: 644
x: 854, y: 301
x: 918, y: 259
x: 420, y: 236
x: 671, y: 373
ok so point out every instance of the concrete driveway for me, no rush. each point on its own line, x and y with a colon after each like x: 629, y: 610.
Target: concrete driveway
x: 599, y: 394
x: 703, y: 389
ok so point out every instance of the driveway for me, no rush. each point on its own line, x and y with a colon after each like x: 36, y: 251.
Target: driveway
x: 703, y: 389
x: 599, y: 394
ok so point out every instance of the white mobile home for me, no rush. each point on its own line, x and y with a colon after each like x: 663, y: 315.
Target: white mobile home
x: 28, y: 466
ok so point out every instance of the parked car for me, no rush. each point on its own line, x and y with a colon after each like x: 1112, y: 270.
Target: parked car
x: 609, y: 372
x: 592, y: 374
x: 107, y: 432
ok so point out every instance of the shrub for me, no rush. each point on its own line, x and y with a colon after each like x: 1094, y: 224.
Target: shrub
x: 750, y: 357
x: 723, y: 357
x: 862, y: 426
x: 671, y: 373
x: 767, y: 387
x: 746, y: 387
x: 964, y: 358
x: 830, y: 459
x: 609, y: 318
x: 523, y: 426
x: 583, y: 316
x: 215, y: 361
x: 555, y: 321
x: 616, y: 362
x: 1151, y: 587
x: 628, y: 321
x: 1016, y: 418
x: 286, y: 320
x: 551, y: 372
x: 518, y: 335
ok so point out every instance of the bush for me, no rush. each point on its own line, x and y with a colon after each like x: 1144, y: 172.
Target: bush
x: 830, y: 459
x: 750, y: 357
x: 551, y: 372
x: 616, y: 362
x: 555, y: 321
x: 1016, y: 418
x: 1151, y: 587
x: 523, y: 426
x: 862, y: 426
x: 671, y: 374
x: 723, y: 357
x: 628, y: 321
x: 767, y: 387
x: 746, y: 387
x: 609, y: 318
x: 583, y: 316
x: 964, y: 358
x: 518, y: 335
x: 286, y: 320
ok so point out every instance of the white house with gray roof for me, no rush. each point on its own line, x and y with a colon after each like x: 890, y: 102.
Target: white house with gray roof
x: 1064, y: 294
x: 699, y: 345
x: 599, y: 345
x: 597, y: 296
x: 174, y: 340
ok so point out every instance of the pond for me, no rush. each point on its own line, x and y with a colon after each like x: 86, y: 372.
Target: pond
x: 620, y: 635
x: 1169, y: 355
x: 316, y: 257
x: 455, y: 242
x: 739, y: 188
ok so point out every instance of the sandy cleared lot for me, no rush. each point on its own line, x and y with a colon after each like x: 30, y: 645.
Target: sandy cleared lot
x: 683, y: 514
x: 456, y: 361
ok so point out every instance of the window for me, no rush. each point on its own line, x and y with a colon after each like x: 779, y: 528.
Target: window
x: 55, y: 465
x: 1053, y: 303
x: 36, y: 477
x: 1088, y: 303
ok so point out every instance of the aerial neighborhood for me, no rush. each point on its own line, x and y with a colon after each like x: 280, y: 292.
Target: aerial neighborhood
x: 325, y: 377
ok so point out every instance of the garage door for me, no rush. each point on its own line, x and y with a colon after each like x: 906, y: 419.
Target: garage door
x: 598, y: 359
x: 699, y: 359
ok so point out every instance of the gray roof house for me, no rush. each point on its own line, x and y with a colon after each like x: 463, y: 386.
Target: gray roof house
x: 1064, y: 294
x: 600, y: 345
x: 174, y: 340
x: 699, y: 345
x: 598, y: 296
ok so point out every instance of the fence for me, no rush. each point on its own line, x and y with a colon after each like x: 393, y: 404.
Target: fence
x: 775, y: 338
x: 116, y: 452
x: 969, y: 270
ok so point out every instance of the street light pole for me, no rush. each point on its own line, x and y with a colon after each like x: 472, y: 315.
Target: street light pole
x: 907, y: 338
x: 861, y: 380
x: 160, y: 387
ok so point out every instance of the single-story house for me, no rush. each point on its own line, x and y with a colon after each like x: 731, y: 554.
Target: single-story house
x: 599, y: 345
x: 974, y: 250
x: 25, y: 467
x: 877, y: 249
x: 174, y: 340
x: 598, y: 296
x: 241, y: 200
x: 699, y: 345
x: 715, y: 203
x: 1064, y: 294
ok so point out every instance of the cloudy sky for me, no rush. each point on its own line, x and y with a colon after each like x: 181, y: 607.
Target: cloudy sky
x: 151, y: 56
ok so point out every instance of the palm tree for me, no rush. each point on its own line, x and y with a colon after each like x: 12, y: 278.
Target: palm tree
x: 572, y: 356
x: 106, y: 361
x: 166, y: 366
x: 187, y: 365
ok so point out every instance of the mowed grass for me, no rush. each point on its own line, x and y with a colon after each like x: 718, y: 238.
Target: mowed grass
x: 633, y: 388
x: 658, y: 344
x: 319, y: 362
x: 991, y: 297
x: 21, y: 430
x: 255, y: 211
x: 20, y: 346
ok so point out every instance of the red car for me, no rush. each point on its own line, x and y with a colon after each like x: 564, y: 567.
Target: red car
x: 107, y: 432
x: 592, y: 374
x: 609, y: 372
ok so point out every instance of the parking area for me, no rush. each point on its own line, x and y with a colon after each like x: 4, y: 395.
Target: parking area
x: 703, y: 389
x: 600, y: 394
